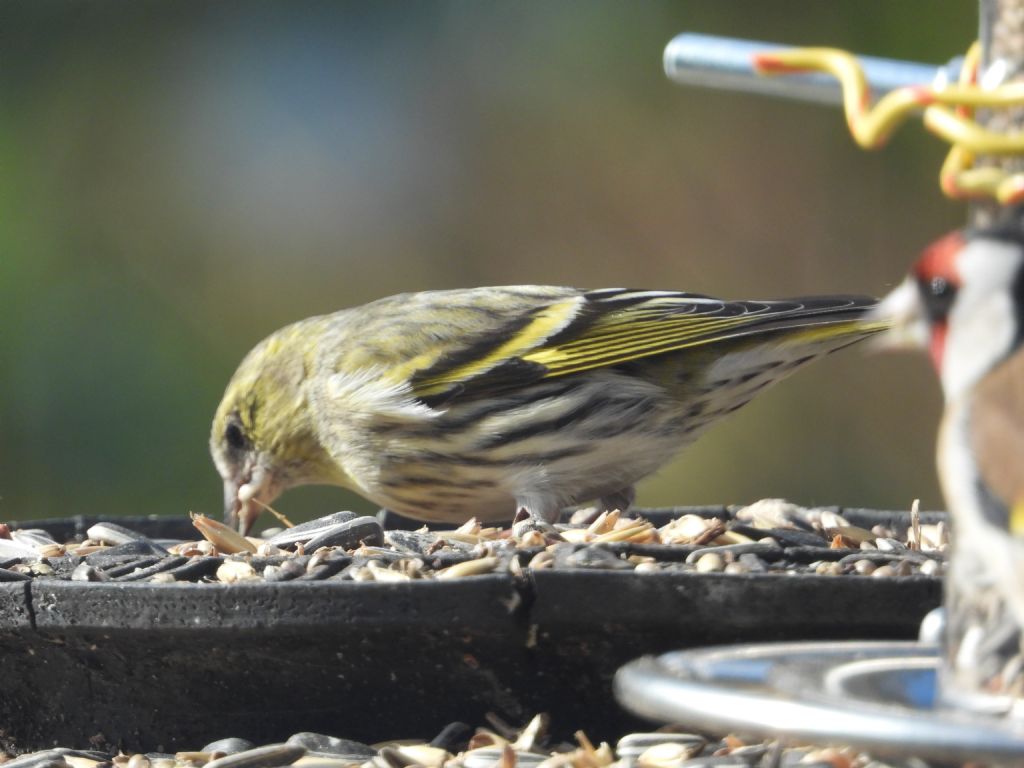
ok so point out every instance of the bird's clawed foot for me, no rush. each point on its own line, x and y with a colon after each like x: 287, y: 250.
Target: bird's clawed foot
x: 526, y: 522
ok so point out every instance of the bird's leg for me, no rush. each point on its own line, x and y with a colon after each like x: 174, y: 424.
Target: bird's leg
x: 621, y: 500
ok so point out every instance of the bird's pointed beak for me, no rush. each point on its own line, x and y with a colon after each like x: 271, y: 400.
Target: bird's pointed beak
x: 234, y: 510
x: 245, y: 499
x: 903, y: 313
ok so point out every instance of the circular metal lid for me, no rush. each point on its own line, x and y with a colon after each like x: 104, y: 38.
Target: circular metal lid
x: 877, y: 696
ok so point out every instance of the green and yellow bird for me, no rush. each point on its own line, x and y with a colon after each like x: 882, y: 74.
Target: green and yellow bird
x: 444, y: 405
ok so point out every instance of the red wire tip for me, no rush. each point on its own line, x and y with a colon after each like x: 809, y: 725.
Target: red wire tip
x: 1017, y: 195
x: 948, y: 184
x: 922, y: 94
x: 769, y: 62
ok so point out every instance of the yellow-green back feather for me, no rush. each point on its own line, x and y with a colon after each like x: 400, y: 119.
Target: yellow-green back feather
x: 573, y: 331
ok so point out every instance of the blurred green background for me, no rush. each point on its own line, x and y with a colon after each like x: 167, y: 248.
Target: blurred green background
x: 178, y: 179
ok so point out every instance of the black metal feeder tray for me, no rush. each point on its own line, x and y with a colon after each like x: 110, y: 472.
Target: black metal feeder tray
x: 166, y: 666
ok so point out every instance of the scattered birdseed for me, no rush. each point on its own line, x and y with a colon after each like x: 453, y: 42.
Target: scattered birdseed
x: 765, y: 538
x: 457, y: 746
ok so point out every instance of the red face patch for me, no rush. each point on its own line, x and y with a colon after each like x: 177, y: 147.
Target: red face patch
x: 938, y: 280
x: 939, y: 260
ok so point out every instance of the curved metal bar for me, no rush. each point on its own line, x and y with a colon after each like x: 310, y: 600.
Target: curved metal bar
x: 782, y: 690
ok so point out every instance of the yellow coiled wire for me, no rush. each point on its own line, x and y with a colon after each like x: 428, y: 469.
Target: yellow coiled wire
x: 948, y: 112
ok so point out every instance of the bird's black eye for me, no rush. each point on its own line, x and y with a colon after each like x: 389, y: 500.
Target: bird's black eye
x: 234, y: 436
x: 938, y: 294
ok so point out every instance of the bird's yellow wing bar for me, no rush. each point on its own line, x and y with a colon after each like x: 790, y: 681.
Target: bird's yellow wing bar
x: 615, y: 326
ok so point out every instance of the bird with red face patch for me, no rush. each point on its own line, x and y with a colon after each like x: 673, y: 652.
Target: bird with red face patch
x: 963, y: 302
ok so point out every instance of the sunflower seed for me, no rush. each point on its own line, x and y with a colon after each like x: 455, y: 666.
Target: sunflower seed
x: 261, y: 757
x: 310, y: 530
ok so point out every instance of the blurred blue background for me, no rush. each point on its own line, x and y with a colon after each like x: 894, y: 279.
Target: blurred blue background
x: 178, y: 179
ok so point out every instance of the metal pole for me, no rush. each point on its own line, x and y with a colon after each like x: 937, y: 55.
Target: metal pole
x: 725, y: 62
x: 1001, y: 32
